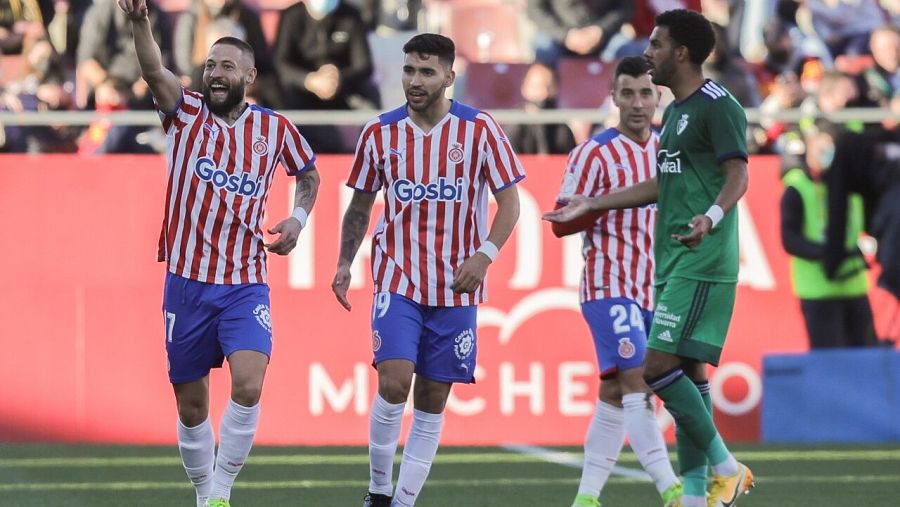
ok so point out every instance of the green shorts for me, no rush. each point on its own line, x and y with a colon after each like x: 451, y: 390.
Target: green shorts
x: 692, y: 318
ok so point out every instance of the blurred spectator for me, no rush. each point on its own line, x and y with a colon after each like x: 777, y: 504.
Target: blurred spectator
x: 883, y: 78
x: 729, y: 69
x: 388, y: 16
x: 845, y: 25
x: 323, y: 59
x: 62, y: 19
x: 576, y: 27
x: 835, y: 307
x: 41, y: 86
x: 204, y: 23
x: 106, y: 50
x: 539, y: 89
x: 102, y: 136
x: 867, y: 164
x: 20, y: 25
x: 838, y: 91
x: 644, y: 19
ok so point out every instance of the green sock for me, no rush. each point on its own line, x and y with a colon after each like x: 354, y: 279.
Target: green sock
x: 691, y: 460
x: 683, y: 401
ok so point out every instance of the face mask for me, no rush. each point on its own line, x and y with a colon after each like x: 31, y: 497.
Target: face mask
x: 322, y: 7
x: 826, y: 157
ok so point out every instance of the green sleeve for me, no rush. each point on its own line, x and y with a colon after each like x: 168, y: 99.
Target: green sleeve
x: 728, y: 129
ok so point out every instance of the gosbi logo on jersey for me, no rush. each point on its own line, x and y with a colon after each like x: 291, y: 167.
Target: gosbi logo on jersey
x: 442, y: 190
x: 243, y: 185
x: 455, y: 154
x: 260, y: 147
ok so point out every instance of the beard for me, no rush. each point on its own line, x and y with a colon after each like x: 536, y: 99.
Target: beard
x: 233, y: 97
x: 430, y: 99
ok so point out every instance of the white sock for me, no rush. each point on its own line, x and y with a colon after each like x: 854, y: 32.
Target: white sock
x: 235, y: 440
x: 693, y: 501
x: 727, y: 467
x: 384, y: 433
x: 647, y: 440
x: 418, y: 454
x: 605, y: 437
x: 197, y: 446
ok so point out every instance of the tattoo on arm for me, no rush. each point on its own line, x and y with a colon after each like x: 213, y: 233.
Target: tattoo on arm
x: 307, y: 189
x: 352, y: 232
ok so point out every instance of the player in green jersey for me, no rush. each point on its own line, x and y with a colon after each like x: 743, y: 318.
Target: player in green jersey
x: 701, y: 175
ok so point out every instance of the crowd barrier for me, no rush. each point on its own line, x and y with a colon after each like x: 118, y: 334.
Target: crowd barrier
x: 83, y: 352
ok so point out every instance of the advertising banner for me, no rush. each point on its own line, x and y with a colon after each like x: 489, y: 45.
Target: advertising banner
x: 83, y: 332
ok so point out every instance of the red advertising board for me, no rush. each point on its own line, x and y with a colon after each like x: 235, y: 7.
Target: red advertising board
x: 82, y: 328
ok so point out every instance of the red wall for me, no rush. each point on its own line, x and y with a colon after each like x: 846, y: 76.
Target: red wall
x: 82, y: 337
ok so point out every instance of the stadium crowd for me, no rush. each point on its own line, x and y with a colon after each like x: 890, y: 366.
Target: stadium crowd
x: 816, y: 55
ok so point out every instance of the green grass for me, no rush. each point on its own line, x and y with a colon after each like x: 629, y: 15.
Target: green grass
x: 100, y: 476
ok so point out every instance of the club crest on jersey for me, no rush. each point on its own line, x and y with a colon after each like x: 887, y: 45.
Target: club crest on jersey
x: 376, y: 341
x: 261, y: 312
x: 464, y: 344
x: 260, y: 147
x: 682, y: 123
x: 626, y: 348
x: 442, y: 190
x: 243, y: 184
x: 455, y: 155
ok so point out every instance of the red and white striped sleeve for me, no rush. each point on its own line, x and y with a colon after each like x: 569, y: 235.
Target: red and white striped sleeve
x: 186, y: 112
x: 296, y: 155
x: 501, y: 166
x: 364, y: 172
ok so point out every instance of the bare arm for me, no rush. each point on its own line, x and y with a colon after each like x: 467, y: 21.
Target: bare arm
x: 164, y: 85
x: 736, y: 181
x: 472, y: 272
x: 289, y: 228
x: 353, y: 230
x: 645, y: 192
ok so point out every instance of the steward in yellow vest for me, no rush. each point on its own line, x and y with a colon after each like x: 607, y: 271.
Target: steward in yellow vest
x: 836, y: 310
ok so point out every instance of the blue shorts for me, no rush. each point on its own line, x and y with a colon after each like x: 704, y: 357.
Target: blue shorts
x: 439, y: 340
x: 206, y: 322
x: 619, y: 327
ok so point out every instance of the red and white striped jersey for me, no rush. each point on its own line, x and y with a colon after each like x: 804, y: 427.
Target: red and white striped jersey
x: 436, y: 202
x: 219, y: 180
x: 618, y: 248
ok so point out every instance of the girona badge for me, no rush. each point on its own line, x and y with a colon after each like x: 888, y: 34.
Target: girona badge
x: 455, y: 155
x: 626, y: 348
x: 260, y: 147
x: 376, y: 341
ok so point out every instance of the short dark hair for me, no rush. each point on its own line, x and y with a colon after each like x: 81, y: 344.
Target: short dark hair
x: 691, y: 30
x: 238, y: 43
x: 634, y: 66
x: 432, y: 44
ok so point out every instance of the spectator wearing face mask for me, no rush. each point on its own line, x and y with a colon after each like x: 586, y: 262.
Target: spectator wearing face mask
x: 835, y: 306
x: 324, y: 62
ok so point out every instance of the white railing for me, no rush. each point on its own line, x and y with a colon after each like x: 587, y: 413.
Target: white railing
x: 509, y: 116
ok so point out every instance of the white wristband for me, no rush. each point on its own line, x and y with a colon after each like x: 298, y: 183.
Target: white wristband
x: 301, y: 215
x: 715, y: 213
x: 489, y: 249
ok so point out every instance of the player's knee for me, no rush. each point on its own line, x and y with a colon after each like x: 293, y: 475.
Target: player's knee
x: 393, y: 390
x: 246, y: 394
x: 192, y: 412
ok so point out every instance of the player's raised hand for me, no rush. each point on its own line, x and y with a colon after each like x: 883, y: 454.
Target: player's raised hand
x: 700, y: 226
x: 134, y: 9
x: 289, y: 230
x: 576, y: 206
x: 340, y: 284
x: 470, y: 275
